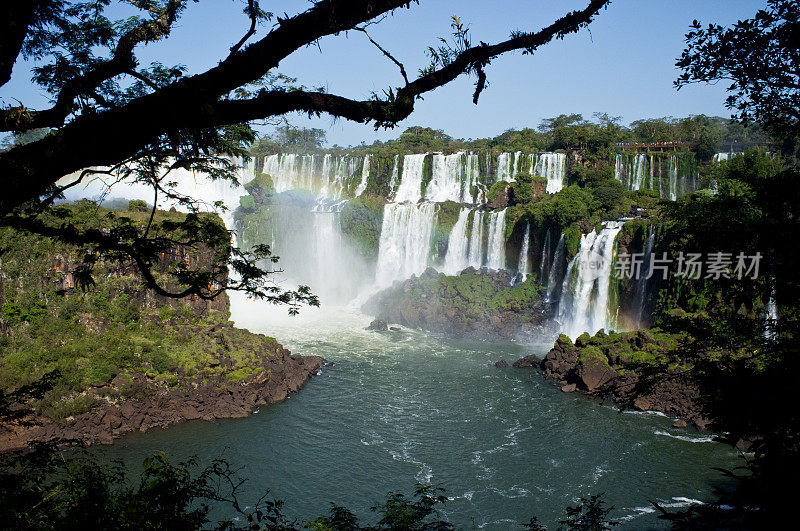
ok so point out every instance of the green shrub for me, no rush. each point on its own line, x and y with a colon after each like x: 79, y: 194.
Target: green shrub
x: 137, y: 205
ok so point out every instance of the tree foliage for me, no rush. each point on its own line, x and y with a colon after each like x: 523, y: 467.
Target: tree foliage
x: 758, y: 56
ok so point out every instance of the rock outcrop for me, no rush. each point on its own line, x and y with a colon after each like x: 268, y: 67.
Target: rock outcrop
x: 135, y: 402
x: 477, y: 304
x: 602, y: 366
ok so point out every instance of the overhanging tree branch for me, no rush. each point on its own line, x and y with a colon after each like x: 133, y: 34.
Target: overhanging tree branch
x: 105, y: 138
x: 122, y: 61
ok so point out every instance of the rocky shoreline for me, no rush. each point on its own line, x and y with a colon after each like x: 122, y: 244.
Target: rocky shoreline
x: 134, y: 402
x: 567, y: 366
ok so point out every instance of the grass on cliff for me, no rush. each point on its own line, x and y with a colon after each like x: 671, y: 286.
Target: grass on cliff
x: 92, y: 333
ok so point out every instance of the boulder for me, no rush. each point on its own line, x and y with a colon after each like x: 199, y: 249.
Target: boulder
x: 394, y: 328
x: 378, y: 325
x: 569, y: 388
x: 527, y: 362
x: 594, y: 373
x: 502, y: 364
x: 680, y: 423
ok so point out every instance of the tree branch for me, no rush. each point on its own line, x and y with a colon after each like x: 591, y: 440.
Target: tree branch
x: 251, y: 10
x: 106, y: 138
x: 387, y: 54
x: 17, y: 18
x: 122, y: 61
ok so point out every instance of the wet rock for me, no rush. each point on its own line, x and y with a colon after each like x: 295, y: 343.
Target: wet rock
x: 569, y: 388
x: 527, y: 362
x: 378, y: 325
x: 395, y: 328
x: 680, y: 423
x: 502, y: 364
x: 594, y: 373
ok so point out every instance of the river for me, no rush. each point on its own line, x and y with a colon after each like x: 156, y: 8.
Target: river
x: 396, y: 408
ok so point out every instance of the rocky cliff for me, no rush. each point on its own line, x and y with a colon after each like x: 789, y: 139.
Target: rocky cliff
x: 118, y: 357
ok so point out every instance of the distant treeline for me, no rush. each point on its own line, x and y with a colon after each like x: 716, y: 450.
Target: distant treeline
x: 593, y: 140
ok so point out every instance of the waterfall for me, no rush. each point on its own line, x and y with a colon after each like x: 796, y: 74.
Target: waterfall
x: 505, y: 167
x: 457, y: 257
x: 395, y: 176
x: 634, y: 173
x: 496, y: 243
x: 641, y: 286
x: 327, y: 179
x: 446, y: 181
x: 364, y: 176
x: 771, y: 317
x: 552, y: 278
x: 472, y: 177
x: 722, y: 157
x: 475, y: 256
x: 410, y: 188
x: 545, y: 256
x: 638, y: 172
x: 673, y: 177
x: 553, y: 167
x: 586, y: 290
x: 522, y: 268
x: 405, y: 241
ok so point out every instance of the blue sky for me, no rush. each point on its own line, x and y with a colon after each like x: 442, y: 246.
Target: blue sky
x: 622, y: 65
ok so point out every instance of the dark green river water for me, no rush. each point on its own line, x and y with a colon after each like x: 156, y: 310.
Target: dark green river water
x: 403, y: 407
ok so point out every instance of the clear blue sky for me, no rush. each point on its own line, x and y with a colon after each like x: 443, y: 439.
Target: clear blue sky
x: 622, y: 65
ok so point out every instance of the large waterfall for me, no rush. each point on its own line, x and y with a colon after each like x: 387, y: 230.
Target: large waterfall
x: 405, y: 244
x: 553, y: 277
x: 453, y: 177
x: 586, y: 292
x: 307, y: 233
x: 325, y: 176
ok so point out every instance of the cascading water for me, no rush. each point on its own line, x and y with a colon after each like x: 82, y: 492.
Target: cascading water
x: 496, y: 249
x: 553, y: 167
x: 673, y: 177
x: 457, y: 257
x: 395, y: 176
x: 522, y: 268
x: 641, y: 171
x: 365, y: 166
x: 545, y: 256
x: 453, y: 177
x: 410, y: 188
x: 722, y: 157
x: 405, y: 243
x: 771, y: 313
x: 553, y: 278
x: 476, y: 251
x: 641, y: 285
x: 586, y: 290
x: 631, y: 173
x: 326, y: 179
x: 505, y: 167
